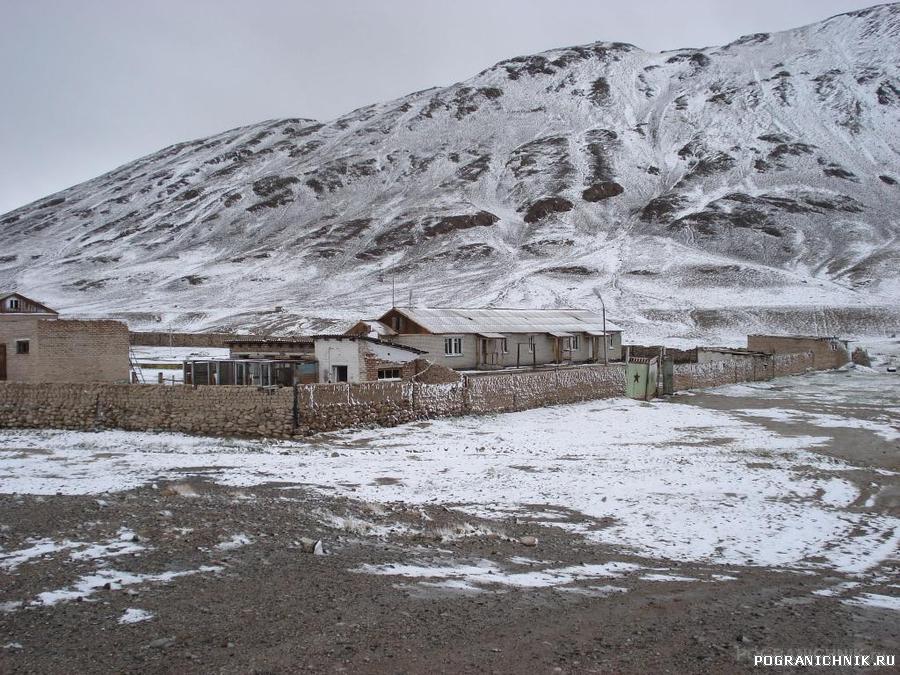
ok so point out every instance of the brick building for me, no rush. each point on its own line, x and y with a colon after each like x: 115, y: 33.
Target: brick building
x: 37, y: 346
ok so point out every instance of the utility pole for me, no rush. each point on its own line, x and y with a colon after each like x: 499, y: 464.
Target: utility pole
x: 605, y: 336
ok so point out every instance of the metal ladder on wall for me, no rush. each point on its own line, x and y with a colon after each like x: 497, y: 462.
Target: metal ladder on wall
x: 136, y: 372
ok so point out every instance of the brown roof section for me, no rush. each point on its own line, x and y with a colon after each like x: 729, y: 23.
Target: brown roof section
x: 47, y: 310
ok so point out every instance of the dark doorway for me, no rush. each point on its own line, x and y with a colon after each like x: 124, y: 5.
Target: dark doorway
x: 339, y: 373
x: 2, y: 362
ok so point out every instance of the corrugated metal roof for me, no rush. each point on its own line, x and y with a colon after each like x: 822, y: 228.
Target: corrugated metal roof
x: 490, y: 320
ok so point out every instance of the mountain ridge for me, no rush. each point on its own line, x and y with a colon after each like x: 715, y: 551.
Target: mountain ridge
x: 765, y: 170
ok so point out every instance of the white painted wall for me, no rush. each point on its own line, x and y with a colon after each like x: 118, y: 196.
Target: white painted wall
x: 545, y: 349
x: 338, y: 353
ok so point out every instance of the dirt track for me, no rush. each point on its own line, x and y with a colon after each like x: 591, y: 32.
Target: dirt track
x: 274, y: 607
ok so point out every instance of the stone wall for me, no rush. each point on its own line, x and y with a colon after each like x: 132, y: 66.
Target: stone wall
x: 305, y: 409
x: 827, y: 352
x: 280, y: 413
x: 163, y: 339
x: 793, y: 364
x: 213, y: 411
x: 757, y: 369
x: 519, y: 391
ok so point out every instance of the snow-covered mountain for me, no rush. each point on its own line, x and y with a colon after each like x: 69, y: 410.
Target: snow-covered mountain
x: 762, y: 177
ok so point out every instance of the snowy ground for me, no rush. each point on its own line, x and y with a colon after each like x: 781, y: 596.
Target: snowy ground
x: 668, y: 479
x: 768, y: 509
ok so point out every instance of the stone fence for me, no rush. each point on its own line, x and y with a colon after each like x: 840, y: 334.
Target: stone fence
x: 305, y: 409
x: 164, y: 339
x: 759, y: 369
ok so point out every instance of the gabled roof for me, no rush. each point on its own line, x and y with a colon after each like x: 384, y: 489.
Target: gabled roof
x: 4, y: 296
x: 490, y: 320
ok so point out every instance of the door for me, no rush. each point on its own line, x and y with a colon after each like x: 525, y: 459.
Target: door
x: 641, y: 378
x: 339, y: 373
x: 2, y: 362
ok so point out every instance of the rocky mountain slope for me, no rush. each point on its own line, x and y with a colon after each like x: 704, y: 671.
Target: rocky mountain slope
x: 762, y: 174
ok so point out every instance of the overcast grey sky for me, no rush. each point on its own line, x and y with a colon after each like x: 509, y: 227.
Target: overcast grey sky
x: 88, y: 85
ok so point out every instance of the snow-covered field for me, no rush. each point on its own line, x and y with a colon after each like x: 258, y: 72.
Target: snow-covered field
x: 665, y: 479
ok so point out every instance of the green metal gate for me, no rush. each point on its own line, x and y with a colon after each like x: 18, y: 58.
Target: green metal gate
x: 640, y: 378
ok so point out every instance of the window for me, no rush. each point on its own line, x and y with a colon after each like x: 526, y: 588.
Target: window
x: 14, y: 303
x: 504, y: 346
x: 388, y: 373
x: 22, y: 346
x: 531, y: 344
x: 453, y: 346
x: 575, y: 343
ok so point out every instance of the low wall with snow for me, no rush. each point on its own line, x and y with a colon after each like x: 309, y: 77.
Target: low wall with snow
x: 517, y: 391
x: 305, y: 409
x: 759, y: 369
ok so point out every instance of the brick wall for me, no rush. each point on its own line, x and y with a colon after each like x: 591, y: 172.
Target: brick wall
x: 83, y: 351
x: 20, y: 367
x: 64, y: 350
x: 372, y: 364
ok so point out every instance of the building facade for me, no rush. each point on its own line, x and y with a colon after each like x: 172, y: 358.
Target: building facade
x: 476, y: 339
x: 355, y: 358
x: 283, y: 362
x: 36, y: 346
